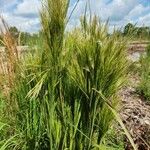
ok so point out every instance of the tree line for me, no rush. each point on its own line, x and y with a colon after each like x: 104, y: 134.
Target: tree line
x: 23, y: 38
x: 26, y: 38
x: 136, y: 32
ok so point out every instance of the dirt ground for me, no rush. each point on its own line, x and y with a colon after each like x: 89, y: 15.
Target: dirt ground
x: 135, y: 113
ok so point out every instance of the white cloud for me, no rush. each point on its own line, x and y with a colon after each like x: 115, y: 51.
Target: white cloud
x: 120, y: 12
x: 139, y: 15
x: 137, y: 11
x: 23, y: 24
x: 24, y: 16
x: 144, y: 20
x: 120, y: 8
x: 5, y: 4
x: 28, y: 8
x: 115, y: 10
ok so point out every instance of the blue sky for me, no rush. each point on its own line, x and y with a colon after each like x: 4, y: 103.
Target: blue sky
x: 24, y: 13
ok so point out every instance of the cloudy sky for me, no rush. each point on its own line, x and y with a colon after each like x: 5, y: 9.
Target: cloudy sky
x: 24, y: 13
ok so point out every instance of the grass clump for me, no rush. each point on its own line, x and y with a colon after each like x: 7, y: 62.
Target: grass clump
x: 56, y: 91
x: 144, y: 86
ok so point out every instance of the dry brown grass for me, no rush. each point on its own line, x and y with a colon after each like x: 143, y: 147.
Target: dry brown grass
x: 9, y: 57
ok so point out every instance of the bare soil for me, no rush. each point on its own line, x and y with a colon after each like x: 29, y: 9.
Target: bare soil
x: 135, y: 113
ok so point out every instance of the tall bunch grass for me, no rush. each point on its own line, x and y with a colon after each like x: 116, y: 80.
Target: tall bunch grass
x: 144, y: 86
x: 57, y: 89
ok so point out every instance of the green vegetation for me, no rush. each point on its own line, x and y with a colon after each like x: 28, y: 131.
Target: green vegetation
x: 144, y: 86
x: 138, y: 33
x: 65, y: 96
x: 26, y: 38
x: 23, y: 38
